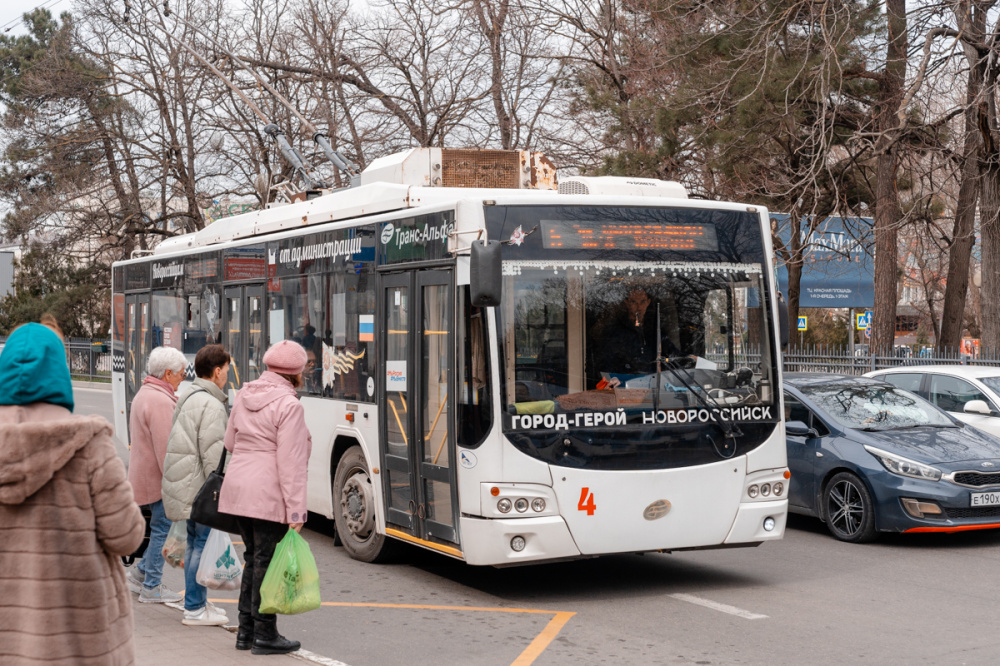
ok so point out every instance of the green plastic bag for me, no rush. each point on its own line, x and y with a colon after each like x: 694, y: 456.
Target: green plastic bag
x: 291, y: 584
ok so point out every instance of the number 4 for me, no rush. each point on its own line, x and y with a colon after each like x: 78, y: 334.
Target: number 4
x: 587, y: 502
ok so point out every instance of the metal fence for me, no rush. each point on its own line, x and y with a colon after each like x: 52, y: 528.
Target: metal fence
x: 89, y: 359
x: 840, y: 359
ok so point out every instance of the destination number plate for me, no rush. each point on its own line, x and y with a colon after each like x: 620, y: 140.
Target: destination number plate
x: 986, y: 499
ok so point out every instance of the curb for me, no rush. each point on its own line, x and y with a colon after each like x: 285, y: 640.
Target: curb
x: 101, y: 386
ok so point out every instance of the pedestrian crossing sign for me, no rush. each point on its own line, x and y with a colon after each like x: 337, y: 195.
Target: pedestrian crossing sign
x: 803, y: 321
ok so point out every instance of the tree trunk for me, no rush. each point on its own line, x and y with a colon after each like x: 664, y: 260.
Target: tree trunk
x: 887, y: 209
x: 794, y: 279
x: 963, y: 235
x: 989, y: 215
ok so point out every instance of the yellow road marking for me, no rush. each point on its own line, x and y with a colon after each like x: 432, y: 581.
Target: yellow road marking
x: 526, y: 658
x: 543, y: 639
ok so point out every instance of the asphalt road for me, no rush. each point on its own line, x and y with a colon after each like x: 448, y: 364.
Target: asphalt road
x: 806, y: 600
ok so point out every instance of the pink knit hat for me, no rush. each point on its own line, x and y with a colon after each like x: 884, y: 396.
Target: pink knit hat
x: 286, y: 357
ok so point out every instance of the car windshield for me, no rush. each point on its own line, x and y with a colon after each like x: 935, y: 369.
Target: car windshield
x: 875, y: 407
x: 992, y: 382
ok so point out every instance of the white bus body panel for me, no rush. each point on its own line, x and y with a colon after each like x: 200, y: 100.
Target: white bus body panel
x: 327, y: 420
x: 118, y: 404
x: 708, y: 507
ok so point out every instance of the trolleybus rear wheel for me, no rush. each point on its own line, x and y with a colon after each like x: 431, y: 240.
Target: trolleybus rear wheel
x: 354, y: 510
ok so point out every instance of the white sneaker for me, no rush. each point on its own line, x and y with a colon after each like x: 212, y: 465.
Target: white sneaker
x: 216, y: 608
x: 134, y: 579
x: 206, y: 616
x: 158, y: 595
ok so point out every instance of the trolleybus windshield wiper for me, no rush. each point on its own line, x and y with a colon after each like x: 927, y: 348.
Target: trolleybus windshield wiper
x: 730, y: 430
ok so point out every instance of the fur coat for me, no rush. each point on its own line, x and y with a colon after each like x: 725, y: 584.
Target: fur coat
x: 66, y: 516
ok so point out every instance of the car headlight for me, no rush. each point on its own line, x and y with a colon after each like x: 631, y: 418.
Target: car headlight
x: 904, y: 466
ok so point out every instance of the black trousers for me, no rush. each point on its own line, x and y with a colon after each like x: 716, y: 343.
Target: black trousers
x: 260, y: 538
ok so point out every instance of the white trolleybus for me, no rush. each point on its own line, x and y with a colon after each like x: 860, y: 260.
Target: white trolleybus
x: 499, y: 370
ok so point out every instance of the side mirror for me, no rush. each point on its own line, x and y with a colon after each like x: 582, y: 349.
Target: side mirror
x: 485, y: 276
x: 782, y: 323
x: 799, y: 429
x: 977, y: 407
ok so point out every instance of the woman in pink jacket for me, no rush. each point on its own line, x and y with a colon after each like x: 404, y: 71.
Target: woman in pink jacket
x: 265, y: 482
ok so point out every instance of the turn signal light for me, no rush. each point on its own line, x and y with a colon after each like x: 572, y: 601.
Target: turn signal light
x: 350, y: 417
x: 494, y: 491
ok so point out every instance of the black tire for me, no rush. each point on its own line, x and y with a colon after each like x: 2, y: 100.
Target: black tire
x: 354, y: 511
x: 848, y: 509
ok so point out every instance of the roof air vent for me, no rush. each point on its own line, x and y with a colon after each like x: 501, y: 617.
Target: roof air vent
x: 617, y: 186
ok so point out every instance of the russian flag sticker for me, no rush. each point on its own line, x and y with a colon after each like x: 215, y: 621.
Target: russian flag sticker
x: 366, y: 328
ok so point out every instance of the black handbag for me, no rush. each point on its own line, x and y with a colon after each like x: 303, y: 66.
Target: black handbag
x: 205, y: 509
x: 147, y: 515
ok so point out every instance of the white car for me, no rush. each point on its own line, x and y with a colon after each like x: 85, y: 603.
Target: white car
x: 969, y: 393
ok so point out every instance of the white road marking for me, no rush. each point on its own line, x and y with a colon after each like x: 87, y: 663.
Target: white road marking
x: 714, y: 605
x: 306, y: 655
x: 303, y: 655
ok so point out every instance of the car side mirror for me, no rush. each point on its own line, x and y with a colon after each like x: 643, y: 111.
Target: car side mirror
x: 485, y: 273
x: 977, y: 407
x: 799, y: 429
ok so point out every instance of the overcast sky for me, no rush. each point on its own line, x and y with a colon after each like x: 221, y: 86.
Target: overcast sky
x: 11, y: 12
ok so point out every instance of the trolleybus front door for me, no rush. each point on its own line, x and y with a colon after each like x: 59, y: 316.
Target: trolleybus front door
x: 137, y: 342
x: 416, y: 398
x: 243, y: 335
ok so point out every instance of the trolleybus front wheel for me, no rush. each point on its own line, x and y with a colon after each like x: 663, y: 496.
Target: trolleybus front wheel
x: 354, y: 511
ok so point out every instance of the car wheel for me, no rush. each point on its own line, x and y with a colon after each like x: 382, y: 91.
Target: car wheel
x: 354, y: 511
x: 848, y: 509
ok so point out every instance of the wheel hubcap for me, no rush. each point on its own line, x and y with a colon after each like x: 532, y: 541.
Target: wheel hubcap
x: 846, y: 508
x: 356, y: 505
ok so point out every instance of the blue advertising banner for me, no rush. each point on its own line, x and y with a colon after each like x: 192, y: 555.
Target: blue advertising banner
x: 838, y: 272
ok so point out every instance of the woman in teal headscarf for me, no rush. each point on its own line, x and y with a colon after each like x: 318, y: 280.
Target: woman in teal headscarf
x: 66, y: 515
x: 33, y: 367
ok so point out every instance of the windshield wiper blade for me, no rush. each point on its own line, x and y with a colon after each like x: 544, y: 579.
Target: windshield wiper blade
x: 926, y: 425
x: 729, y: 429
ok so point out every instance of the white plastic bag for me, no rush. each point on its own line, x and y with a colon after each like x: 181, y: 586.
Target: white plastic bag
x: 220, y: 567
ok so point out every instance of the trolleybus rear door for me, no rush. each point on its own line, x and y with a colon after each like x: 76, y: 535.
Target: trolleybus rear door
x: 244, y: 334
x: 137, y: 342
x: 416, y: 394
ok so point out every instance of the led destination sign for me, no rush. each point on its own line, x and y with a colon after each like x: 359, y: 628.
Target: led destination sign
x: 610, y: 234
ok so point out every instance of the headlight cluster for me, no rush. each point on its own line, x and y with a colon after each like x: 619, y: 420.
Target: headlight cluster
x: 504, y: 505
x: 766, y: 489
x: 904, y: 466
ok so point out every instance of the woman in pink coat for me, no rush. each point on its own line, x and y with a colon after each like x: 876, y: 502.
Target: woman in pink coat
x: 265, y: 483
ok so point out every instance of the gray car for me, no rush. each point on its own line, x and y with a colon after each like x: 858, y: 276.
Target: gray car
x: 868, y: 457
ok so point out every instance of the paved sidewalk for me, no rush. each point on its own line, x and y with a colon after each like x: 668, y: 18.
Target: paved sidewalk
x: 161, y: 639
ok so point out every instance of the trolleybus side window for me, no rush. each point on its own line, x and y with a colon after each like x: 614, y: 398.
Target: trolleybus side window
x: 185, y: 304
x: 329, y: 308
x: 475, y: 413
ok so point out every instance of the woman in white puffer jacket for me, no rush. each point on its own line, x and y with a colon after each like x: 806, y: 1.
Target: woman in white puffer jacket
x: 195, y: 447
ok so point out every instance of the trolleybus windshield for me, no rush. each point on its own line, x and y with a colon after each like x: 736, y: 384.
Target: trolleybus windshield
x: 665, y: 335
